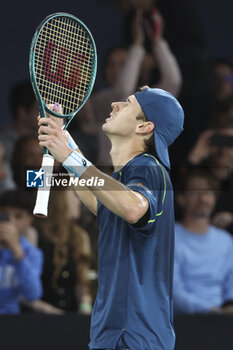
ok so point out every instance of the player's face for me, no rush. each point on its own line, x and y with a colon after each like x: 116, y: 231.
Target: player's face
x: 199, y: 199
x: 123, y: 118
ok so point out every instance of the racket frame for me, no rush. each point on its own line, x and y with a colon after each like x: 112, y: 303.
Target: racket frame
x: 43, y: 109
x: 41, y: 206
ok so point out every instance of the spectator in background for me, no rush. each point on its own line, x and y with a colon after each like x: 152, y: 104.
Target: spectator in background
x: 6, y: 181
x: 203, y: 266
x: 13, y: 200
x: 67, y: 257
x: 125, y: 69
x: 129, y: 5
x: 214, y: 150
x: 27, y: 155
x: 20, y: 261
x: 24, y: 111
x: 223, y: 79
x: 224, y: 108
x: 185, y: 33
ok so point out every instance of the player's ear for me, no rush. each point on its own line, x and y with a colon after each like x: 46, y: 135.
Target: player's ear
x: 145, y: 128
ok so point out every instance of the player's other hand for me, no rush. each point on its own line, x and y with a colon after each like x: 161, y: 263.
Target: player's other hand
x: 56, y: 108
x: 54, y: 138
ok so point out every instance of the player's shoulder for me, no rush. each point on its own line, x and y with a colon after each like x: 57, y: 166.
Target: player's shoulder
x: 146, y: 166
x: 146, y: 160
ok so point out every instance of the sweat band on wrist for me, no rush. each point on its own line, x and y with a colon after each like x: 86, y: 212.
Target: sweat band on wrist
x: 76, y: 164
x: 71, y: 142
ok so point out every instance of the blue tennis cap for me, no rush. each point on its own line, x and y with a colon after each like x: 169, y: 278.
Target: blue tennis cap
x: 163, y: 109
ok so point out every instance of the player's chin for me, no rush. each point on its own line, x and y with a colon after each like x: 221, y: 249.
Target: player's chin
x: 105, y: 127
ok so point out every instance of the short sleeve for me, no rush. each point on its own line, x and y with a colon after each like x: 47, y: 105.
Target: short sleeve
x: 148, y: 180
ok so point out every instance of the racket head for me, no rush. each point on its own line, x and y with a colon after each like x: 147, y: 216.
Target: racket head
x: 62, y: 64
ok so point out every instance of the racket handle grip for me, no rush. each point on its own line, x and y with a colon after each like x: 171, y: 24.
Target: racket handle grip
x: 42, y: 198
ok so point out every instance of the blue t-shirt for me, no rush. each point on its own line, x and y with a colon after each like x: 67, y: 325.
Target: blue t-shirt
x: 134, y: 299
x: 19, y: 279
x: 203, y: 272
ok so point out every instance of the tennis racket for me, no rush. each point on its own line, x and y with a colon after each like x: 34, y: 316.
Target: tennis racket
x: 62, y: 64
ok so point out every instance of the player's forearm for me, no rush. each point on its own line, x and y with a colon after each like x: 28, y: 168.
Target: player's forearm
x: 118, y: 198
x: 87, y: 198
x: 83, y: 192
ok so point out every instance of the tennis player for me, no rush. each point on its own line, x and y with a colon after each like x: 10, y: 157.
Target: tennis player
x: 133, y: 308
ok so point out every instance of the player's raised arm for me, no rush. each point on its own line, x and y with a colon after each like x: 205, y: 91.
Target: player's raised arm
x: 114, y: 195
x: 62, y: 138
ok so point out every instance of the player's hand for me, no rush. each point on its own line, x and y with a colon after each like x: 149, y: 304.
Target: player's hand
x: 56, y: 108
x: 54, y: 138
x: 9, y: 237
x: 223, y: 219
x: 202, y: 148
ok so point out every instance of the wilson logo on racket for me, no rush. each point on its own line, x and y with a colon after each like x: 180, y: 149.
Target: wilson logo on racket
x: 60, y: 76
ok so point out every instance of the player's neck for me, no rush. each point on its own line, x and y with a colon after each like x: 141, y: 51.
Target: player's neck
x: 123, y: 151
x: 196, y: 225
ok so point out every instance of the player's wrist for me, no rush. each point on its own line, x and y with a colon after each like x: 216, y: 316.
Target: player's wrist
x: 76, y: 164
x: 71, y: 143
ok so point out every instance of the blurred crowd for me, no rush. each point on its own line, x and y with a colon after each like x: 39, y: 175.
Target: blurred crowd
x: 50, y: 265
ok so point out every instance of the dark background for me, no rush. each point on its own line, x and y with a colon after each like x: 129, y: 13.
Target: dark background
x: 20, y: 19
x: 195, y: 332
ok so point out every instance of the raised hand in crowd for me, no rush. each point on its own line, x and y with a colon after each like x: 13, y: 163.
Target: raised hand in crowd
x: 223, y: 219
x: 137, y: 32
x: 202, y: 148
x: 9, y: 238
x: 154, y: 31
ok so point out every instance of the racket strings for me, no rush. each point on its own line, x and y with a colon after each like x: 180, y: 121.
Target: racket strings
x: 64, y: 59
